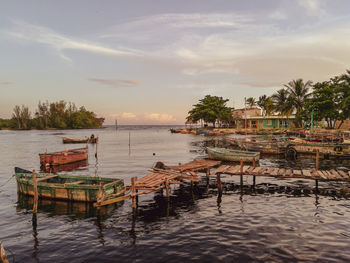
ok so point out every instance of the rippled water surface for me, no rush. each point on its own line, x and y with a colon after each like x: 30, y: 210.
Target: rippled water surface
x: 277, y: 221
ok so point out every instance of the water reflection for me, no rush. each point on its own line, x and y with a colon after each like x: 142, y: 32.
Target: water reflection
x: 81, y: 165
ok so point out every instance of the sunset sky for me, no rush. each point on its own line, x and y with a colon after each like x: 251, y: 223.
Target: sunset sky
x: 148, y: 62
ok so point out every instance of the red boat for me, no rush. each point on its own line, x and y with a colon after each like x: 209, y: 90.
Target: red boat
x: 64, y: 157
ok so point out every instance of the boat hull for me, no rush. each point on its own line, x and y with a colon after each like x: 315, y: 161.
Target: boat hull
x: 232, y: 155
x: 65, y: 157
x: 68, y: 190
x: 74, y: 141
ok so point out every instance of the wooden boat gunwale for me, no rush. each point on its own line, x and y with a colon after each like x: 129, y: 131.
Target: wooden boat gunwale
x: 88, y: 191
x: 223, y: 154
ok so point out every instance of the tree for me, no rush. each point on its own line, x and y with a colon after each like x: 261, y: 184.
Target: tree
x: 298, y: 94
x: 282, y: 102
x: 21, y: 117
x: 251, y: 102
x: 266, y: 105
x: 211, y: 109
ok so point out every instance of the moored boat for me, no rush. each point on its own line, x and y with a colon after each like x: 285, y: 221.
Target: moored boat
x: 68, y: 187
x: 91, y: 139
x: 224, y: 154
x: 63, y: 157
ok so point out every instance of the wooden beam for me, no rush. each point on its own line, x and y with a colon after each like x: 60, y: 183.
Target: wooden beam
x: 46, y: 178
x: 35, y: 189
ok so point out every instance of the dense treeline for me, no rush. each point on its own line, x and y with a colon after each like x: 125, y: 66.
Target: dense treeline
x: 330, y: 101
x: 55, y: 115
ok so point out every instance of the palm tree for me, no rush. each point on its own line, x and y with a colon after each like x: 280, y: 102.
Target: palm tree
x: 282, y: 102
x: 251, y: 102
x: 298, y: 94
x: 266, y: 105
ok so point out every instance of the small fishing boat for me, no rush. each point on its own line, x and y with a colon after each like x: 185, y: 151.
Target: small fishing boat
x: 64, y: 157
x: 91, y: 139
x: 224, y: 154
x: 264, y: 147
x: 68, y: 187
x: 202, y: 132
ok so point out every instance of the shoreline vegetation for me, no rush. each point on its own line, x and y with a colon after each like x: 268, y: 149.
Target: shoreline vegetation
x: 326, y: 104
x: 52, y: 116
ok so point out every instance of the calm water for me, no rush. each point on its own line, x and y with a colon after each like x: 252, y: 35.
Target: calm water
x: 277, y: 221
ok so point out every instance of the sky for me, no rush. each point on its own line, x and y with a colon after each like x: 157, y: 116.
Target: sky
x: 149, y: 61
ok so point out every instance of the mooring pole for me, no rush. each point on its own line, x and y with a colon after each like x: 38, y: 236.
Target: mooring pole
x: 96, y: 148
x: 207, y: 172
x: 35, y: 190
x: 167, y: 187
x: 133, y: 191
x: 254, y: 175
x: 317, y: 166
x: 241, y: 172
x: 219, y: 182
x: 3, y: 257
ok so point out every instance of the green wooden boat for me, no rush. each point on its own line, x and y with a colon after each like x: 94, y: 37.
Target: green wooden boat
x: 68, y: 187
x: 224, y: 154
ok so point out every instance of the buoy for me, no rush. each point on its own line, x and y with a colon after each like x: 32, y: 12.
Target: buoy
x: 154, y: 153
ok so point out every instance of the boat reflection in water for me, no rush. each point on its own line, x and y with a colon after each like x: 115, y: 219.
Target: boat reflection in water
x: 73, y: 210
x: 65, y: 167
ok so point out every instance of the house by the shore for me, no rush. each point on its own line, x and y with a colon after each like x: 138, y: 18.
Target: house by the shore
x: 251, y: 118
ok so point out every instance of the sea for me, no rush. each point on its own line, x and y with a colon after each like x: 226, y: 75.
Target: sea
x: 277, y: 220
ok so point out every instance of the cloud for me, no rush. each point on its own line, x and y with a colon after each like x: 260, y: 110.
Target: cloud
x: 117, y: 83
x: 313, y: 7
x: 191, y: 20
x: 160, y: 117
x: 59, y: 42
x: 124, y: 116
x: 5, y: 83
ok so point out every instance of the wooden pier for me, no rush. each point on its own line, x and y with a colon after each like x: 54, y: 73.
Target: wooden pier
x: 163, y: 176
x: 160, y: 178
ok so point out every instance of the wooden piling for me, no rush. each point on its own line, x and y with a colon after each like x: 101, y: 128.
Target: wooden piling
x: 207, y: 172
x: 317, y: 159
x: 96, y: 149
x: 254, y: 165
x: 133, y: 192
x: 219, y: 181
x: 35, y: 190
x: 241, y: 173
x: 3, y: 257
x: 167, y: 188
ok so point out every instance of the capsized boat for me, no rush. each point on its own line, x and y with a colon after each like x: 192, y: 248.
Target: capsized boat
x: 63, y: 157
x: 68, y: 187
x: 224, y: 154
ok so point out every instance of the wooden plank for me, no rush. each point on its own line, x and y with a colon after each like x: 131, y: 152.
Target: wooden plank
x: 288, y: 172
x: 175, y: 182
x: 343, y: 174
x: 306, y: 173
x: 233, y: 170
x: 281, y: 172
x: 245, y: 168
x: 221, y: 169
x: 274, y: 172
x: 297, y: 173
x: 46, y: 178
x: 112, y: 201
x: 322, y: 175
x: 76, y: 182
x: 326, y: 175
x: 269, y: 171
x: 256, y: 170
x: 250, y: 169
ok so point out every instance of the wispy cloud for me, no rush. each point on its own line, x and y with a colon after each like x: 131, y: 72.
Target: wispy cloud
x: 191, y: 20
x: 59, y: 42
x: 5, y: 83
x: 116, y: 83
x: 313, y: 7
x: 160, y: 117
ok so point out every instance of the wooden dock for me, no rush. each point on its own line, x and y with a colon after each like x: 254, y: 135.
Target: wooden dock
x: 160, y: 178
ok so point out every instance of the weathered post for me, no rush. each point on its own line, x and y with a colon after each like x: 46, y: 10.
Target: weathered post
x: 35, y: 190
x: 133, y: 191
x: 3, y: 257
x: 317, y: 166
x: 219, y: 182
x: 96, y: 149
x: 241, y: 172
x: 207, y: 172
x: 254, y: 175
x: 167, y: 187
